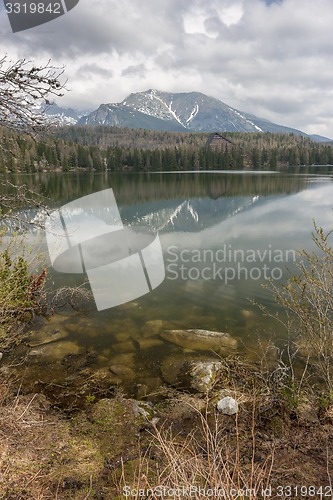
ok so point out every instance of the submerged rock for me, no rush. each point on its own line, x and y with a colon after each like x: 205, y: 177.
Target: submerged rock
x: 125, y: 346
x: 45, y: 337
x: 201, y: 340
x: 129, y: 306
x: 153, y: 327
x: 150, y: 386
x: 126, y: 359
x: 249, y: 317
x: 147, y: 343
x: 247, y: 314
x: 54, y: 350
x: 122, y: 336
x: 101, y: 378
x: 171, y: 368
x: 265, y: 352
x: 122, y: 371
x: 76, y: 362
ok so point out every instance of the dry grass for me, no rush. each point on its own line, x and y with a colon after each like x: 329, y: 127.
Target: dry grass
x: 208, y: 461
x: 41, y: 457
x: 192, y: 452
x: 20, y: 425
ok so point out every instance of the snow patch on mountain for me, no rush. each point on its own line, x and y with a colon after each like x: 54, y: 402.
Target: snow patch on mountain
x: 247, y: 120
x: 194, y: 112
x: 173, y: 113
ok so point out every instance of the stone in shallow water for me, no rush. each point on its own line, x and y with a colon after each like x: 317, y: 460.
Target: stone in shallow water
x: 125, y: 346
x: 248, y: 314
x: 250, y: 318
x: 263, y: 351
x: 54, y: 351
x: 126, y: 359
x: 194, y: 374
x: 77, y: 362
x: 171, y: 368
x: 122, y: 336
x: 151, y: 386
x: 201, y: 340
x: 147, y: 343
x: 46, y: 336
x: 123, y: 372
x: 122, y: 329
x: 153, y: 327
x: 102, y: 378
x: 129, y: 306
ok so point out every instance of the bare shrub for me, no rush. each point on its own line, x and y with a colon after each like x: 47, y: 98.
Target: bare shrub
x: 307, y: 299
x: 207, y: 462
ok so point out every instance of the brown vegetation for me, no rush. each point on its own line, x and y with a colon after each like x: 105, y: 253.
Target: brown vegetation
x: 117, y: 445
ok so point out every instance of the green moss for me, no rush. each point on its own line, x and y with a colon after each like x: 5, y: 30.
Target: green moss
x: 291, y: 395
x: 90, y: 398
x: 114, y: 424
x: 325, y: 400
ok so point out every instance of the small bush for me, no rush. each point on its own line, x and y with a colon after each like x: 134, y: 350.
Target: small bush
x: 21, y: 296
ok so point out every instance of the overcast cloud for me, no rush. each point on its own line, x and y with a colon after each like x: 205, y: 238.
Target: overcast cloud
x: 270, y: 58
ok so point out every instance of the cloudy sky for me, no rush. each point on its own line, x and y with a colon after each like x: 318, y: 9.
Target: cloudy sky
x: 273, y: 58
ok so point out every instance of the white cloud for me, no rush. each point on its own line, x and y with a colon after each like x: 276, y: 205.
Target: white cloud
x: 274, y: 59
x: 194, y: 21
x: 230, y: 12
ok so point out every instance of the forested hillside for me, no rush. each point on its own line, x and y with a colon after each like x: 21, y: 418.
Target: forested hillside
x: 116, y: 149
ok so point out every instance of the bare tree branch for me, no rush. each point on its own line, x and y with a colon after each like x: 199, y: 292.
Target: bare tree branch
x: 25, y: 93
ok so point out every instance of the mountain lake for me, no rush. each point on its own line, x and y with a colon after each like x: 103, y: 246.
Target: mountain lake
x: 223, y: 235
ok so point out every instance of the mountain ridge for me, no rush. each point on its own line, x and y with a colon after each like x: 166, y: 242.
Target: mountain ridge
x: 186, y: 111
x: 182, y: 111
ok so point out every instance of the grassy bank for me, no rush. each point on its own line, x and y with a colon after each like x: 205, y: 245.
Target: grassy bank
x: 119, y: 447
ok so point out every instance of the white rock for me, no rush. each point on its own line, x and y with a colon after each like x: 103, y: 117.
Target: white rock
x: 227, y: 406
x: 203, y: 375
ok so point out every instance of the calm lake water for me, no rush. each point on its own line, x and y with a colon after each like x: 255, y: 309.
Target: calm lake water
x: 222, y: 234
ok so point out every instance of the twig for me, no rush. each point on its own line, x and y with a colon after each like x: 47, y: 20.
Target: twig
x: 90, y: 489
x: 28, y: 406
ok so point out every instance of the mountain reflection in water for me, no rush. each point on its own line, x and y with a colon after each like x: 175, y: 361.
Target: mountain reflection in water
x: 259, y: 214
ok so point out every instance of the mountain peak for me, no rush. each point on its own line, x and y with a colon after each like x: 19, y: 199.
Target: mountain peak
x: 193, y: 111
x: 187, y: 111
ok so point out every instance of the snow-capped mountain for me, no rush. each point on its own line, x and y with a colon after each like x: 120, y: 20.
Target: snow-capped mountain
x: 156, y: 110
x: 186, y: 111
x: 62, y: 116
x: 187, y: 215
x: 120, y: 115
